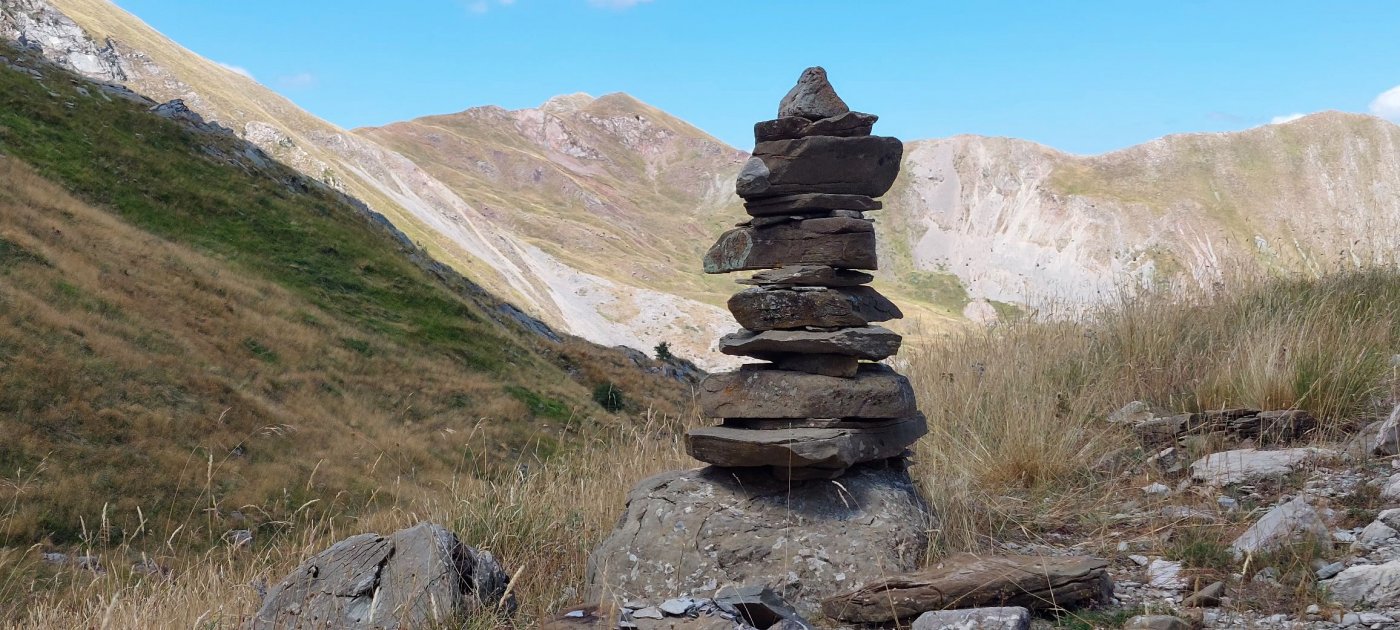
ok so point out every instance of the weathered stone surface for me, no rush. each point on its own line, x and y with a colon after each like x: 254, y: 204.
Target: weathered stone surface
x: 823, y: 364
x: 409, y: 579
x: 1207, y: 597
x: 833, y: 241
x: 835, y: 448
x: 844, y: 125
x: 760, y: 392
x: 1292, y: 522
x: 1387, y: 440
x: 970, y: 581
x: 866, y: 342
x: 812, y: 98
x: 809, y: 275
x: 695, y: 531
x: 862, y: 165
x: 995, y: 618
x: 1264, y: 427
x: 1374, y: 584
x: 759, y: 604
x: 809, y: 202
x: 1156, y: 622
x: 820, y: 307
x: 1249, y: 465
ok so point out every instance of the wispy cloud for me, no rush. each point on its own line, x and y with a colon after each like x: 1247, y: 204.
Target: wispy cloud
x: 616, y: 4
x: 299, y: 81
x: 1279, y: 120
x: 482, y: 6
x: 236, y: 69
x: 1387, y: 105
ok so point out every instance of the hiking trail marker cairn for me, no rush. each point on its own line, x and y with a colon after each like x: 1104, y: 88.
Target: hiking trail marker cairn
x: 819, y: 405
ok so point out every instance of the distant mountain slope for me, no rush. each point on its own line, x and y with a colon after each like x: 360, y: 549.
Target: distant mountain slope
x: 101, y: 40
x: 174, y: 305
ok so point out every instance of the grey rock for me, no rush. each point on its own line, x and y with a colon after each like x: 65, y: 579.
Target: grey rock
x: 697, y: 530
x: 677, y: 606
x: 808, y: 203
x: 239, y: 537
x: 38, y: 25
x: 790, y: 452
x: 866, y: 342
x: 758, y: 392
x: 1371, y: 584
x: 1331, y: 570
x: 833, y: 241
x: 1165, y: 574
x: 863, y: 165
x: 1292, y: 522
x: 1391, y: 491
x: 808, y: 275
x: 758, y: 604
x: 1376, y: 534
x: 1156, y: 622
x: 995, y: 618
x: 766, y: 308
x: 812, y: 98
x: 788, y: 128
x: 1387, y: 440
x: 823, y: 364
x: 408, y: 579
x: 1207, y: 597
x: 1135, y: 413
x: 1251, y: 465
x: 650, y: 612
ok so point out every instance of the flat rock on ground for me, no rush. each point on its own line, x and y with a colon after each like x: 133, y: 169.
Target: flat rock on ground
x: 1250, y: 465
x: 757, y: 392
x: 995, y: 618
x: 970, y: 581
x: 692, y: 532
x: 1373, y: 584
x: 833, y: 241
x: 1292, y: 522
x: 409, y: 579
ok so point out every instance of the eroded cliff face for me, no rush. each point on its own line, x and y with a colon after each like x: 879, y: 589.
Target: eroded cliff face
x: 1018, y: 222
x: 37, y: 24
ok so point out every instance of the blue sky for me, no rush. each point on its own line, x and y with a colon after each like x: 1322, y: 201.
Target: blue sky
x: 1080, y: 76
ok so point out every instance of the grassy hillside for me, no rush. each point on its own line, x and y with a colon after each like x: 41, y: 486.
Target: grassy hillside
x: 195, y: 340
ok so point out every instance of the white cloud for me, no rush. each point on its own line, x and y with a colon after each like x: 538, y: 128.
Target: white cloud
x: 616, y: 4
x: 299, y: 81
x: 1279, y: 120
x: 1387, y: 105
x: 482, y: 6
x: 236, y: 69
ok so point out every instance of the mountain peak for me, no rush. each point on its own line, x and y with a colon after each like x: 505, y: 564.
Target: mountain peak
x: 566, y: 103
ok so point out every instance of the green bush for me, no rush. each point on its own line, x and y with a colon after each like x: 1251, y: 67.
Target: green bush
x: 609, y: 397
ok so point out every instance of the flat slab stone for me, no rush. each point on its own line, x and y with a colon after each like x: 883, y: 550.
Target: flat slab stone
x: 866, y: 342
x: 863, y: 165
x: 758, y: 392
x: 1292, y: 522
x: 838, y: 447
x: 823, y: 364
x: 809, y: 202
x: 1375, y: 585
x: 790, y: 127
x: 693, y: 532
x: 808, y: 276
x: 1250, y: 465
x: 831, y: 241
x: 820, y: 307
x: 994, y: 618
x: 972, y: 581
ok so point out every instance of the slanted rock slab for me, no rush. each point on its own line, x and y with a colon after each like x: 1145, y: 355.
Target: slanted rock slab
x: 758, y: 392
x: 790, y: 127
x: 1373, y: 584
x: 994, y: 618
x: 809, y: 203
x: 833, y: 241
x: 409, y: 579
x: 1250, y: 465
x: 808, y: 275
x: 693, y: 532
x: 861, y: 165
x: 971, y: 581
x: 866, y: 342
x: 833, y: 448
x: 1292, y: 522
x: 816, y: 307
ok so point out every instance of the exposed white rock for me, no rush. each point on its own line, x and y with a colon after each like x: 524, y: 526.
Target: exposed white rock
x: 1250, y: 465
x: 998, y: 618
x: 1373, y: 584
x: 1387, y: 440
x: 1295, y: 521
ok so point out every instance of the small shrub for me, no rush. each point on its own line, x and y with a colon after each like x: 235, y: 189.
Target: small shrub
x: 663, y: 351
x: 609, y: 397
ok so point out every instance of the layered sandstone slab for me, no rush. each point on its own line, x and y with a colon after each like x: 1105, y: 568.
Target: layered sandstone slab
x: 876, y: 391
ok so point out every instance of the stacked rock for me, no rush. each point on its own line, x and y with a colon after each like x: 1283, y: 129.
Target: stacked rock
x: 818, y: 406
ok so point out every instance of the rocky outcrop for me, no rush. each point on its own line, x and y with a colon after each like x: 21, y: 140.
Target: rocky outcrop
x: 694, y: 532
x: 408, y: 579
x: 38, y: 25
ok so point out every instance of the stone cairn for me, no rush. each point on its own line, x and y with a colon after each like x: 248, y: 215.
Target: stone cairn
x: 817, y: 407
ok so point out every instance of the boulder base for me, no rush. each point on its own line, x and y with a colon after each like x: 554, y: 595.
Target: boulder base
x: 409, y: 579
x: 693, y: 532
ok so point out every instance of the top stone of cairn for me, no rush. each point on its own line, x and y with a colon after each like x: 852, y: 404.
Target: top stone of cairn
x: 812, y: 98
